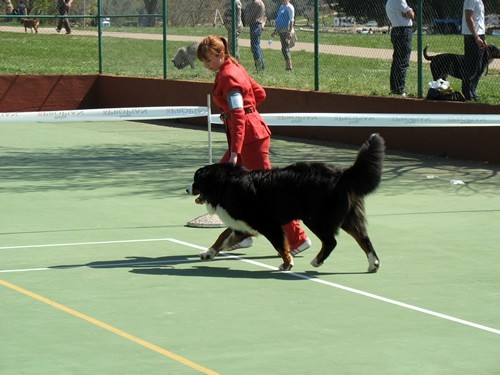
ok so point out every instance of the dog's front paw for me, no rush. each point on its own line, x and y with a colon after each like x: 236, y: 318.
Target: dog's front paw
x: 208, y: 254
x: 286, y: 266
x: 315, y: 263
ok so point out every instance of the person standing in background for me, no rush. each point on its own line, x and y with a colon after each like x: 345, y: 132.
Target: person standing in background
x: 473, y: 30
x: 255, y: 18
x: 228, y: 24
x: 284, y: 28
x: 21, y: 9
x: 63, y: 6
x: 401, y: 18
x: 9, y: 9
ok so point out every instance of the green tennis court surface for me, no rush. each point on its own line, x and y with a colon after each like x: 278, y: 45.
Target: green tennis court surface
x: 99, y: 273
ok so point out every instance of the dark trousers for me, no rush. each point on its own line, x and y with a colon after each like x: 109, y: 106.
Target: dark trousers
x: 473, y: 67
x: 63, y: 22
x: 255, y: 36
x: 401, y: 41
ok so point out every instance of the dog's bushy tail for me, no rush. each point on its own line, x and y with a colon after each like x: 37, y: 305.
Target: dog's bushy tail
x: 364, y: 176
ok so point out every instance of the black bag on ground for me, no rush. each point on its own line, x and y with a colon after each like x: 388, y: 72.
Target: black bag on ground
x: 448, y: 95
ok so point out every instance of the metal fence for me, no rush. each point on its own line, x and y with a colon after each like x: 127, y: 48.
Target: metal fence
x: 342, y: 46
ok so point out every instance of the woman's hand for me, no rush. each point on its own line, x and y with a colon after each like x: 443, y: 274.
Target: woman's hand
x: 233, y: 159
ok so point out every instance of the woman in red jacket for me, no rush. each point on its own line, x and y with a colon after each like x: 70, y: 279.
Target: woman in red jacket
x: 249, y: 138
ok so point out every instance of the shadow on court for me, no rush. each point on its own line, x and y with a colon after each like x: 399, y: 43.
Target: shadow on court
x: 168, y: 266
x: 231, y: 273
x: 92, y: 168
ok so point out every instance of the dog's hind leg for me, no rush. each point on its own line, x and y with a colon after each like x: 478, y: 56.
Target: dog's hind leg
x: 355, y: 225
x: 225, y: 240
x: 364, y: 242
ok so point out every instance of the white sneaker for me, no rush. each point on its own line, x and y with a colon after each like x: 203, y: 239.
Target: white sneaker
x: 305, y: 245
x: 246, y: 242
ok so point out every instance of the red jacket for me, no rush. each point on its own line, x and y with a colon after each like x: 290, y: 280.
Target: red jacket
x: 244, y: 125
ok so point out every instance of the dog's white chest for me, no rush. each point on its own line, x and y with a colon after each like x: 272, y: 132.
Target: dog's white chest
x: 230, y: 221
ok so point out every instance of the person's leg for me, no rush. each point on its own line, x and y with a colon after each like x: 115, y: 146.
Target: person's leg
x: 401, y: 41
x: 66, y: 23
x: 297, y: 238
x: 255, y: 155
x: 478, y: 72
x: 470, y: 66
x: 237, y: 47
x: 258, y: 37
x: 253, y: 45
x: 288, y: 55
x: 60, y: 22
x: 285, y: 50
x: 66, y: 26
x: 225, y: 157
x: 396, y: 60
x: 255, y: 37
x: 408, y: 35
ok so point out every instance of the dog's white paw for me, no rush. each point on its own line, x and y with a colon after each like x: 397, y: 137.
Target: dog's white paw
x: 373, y: 263
x: 315, y: 263
x: 284, y: 268
x: 208, y: 254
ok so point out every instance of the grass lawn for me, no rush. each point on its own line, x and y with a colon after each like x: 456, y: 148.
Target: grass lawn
x: 56, y: 54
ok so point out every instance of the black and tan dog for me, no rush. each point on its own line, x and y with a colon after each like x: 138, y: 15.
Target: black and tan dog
x: 30, y: 23
x: 450, y: 64
x: 324, y: 197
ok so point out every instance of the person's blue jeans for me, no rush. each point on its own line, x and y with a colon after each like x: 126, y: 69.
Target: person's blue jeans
x: 255, y: 37
x: 473, y: 67
x: 401, y: 41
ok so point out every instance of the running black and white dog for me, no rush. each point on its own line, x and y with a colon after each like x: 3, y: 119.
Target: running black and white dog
x: 324, y: 197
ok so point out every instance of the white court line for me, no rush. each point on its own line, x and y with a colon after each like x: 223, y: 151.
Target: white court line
x: 107, y: 265
x: 263, y: 265
x: 82, y: 243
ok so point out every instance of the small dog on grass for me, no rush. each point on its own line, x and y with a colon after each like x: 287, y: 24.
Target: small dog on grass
x: 450, y: 64
x: 30, y: 23
x: 185, y: 56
